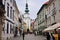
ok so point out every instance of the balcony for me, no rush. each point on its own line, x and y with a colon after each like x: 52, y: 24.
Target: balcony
x: 2, y: 7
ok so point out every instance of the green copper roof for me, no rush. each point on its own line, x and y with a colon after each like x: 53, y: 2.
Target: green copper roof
x: 26, y: 10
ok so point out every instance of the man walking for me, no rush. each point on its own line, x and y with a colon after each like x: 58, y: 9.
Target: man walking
x: 23, y: 35
x: 20, y: 32
x: 47, y: 36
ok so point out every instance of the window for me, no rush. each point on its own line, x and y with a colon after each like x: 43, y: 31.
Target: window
x: 54, y: 18
x: 13, y: 2
x: 10, y: 12
x: 7, y: 27
x: 49, y: 10
x: 13, y: 15
x: 53, y: 12
x: 46, y: 17
x: 53, y: 5
x: 43, y: 14
x: 54, y: 9
x: 11, y: 28
x: 7, y: 9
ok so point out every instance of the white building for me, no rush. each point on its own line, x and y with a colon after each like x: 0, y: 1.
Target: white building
x: 9, y: 22
x: 17, y: 18
x: 53, y: 14
x: 26, y: 18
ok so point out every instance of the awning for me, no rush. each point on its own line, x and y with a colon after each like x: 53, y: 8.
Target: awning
x: 52, y: 27
x: 47, y: 29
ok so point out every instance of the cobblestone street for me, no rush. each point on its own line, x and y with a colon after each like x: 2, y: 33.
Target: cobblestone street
x: 29, y: 37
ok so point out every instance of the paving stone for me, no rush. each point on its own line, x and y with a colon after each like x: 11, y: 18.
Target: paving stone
x: 29, y: 37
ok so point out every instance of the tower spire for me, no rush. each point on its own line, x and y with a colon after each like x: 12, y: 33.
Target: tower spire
x: 26, y: 10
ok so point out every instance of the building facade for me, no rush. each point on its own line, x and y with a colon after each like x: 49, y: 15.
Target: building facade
x: 51, y: 15
x: 26, y: 19
x: 35, y: 24
x: 41, y: 17
x: 17, y: 17
x: 8, y: 27
x: 32, y: 25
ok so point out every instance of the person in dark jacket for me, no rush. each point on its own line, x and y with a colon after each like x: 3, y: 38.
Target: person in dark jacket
x: 16, y: 31
x: 47, y: 36
x: 23, y: 35
x: 59, y: 36
x: 52, y: 36
x: 20, y: 32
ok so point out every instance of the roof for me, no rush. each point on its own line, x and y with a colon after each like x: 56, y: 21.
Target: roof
x: 45, y: 4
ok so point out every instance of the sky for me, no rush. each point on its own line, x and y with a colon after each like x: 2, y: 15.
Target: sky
x: 33, y: 5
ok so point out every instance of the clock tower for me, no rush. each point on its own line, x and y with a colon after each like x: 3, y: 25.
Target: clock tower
x: 26, y: 18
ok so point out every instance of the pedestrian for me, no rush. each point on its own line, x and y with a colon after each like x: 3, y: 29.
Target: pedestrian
x: 16, y: 31
x: 20, y: 32
x: 23, y: 35
x: 55, y: 34
x: 59, y: 36
x: 52, y: 37
x: 47, y: 36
